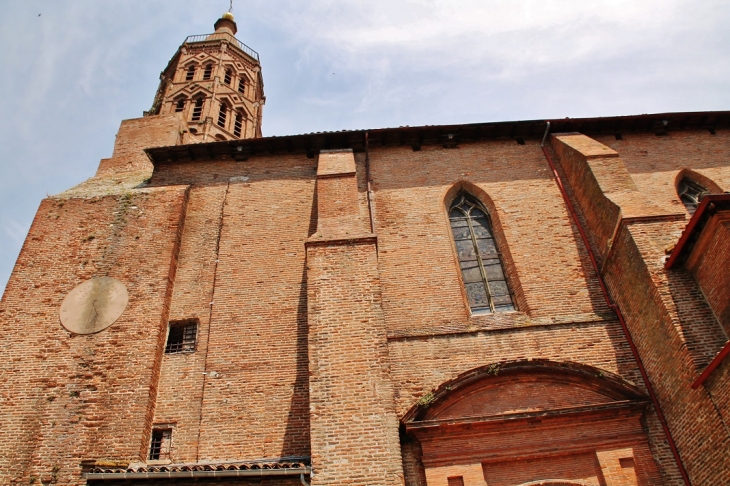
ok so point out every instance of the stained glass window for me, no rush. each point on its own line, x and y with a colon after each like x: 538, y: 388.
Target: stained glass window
x: 691, y: 194
x: 480, y: 260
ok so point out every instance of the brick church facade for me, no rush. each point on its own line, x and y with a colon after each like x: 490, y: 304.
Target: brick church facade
x: 494, y: 304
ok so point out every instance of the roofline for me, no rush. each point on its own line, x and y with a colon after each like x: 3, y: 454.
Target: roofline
x: 449, y: 135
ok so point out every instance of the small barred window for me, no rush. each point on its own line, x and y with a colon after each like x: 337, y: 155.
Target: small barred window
x: 479, y: 258
x: 242, y: 86
x: 160, y: 444
x: 228, y: 77
x: 691, y: 194
x: 180, y: 105
x: 181, y: 338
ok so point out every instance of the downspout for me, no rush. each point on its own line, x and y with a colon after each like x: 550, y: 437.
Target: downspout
x: 615, y: 308
x: 370, y: 187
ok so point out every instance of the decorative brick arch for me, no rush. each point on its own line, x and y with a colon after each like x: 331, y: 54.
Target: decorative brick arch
x: 553, y: 420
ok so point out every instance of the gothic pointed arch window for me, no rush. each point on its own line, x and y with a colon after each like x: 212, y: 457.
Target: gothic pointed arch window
x: 482, y: 271
x: 691, y: 193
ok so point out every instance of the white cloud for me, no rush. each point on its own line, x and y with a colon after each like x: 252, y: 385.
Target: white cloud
x: 72, y: 74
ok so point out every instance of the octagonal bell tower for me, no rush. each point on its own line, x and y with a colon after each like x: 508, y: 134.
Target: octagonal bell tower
x: 214, y: 81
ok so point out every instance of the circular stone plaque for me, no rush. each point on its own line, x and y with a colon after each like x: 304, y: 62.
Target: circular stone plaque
x: 94, y: 305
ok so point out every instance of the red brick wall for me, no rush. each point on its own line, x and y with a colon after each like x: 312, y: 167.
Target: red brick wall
x: 68, y: 397
x: 710, y: 264
x: 372, y: 326
x: 674, y: 328
x: 354, y: 429
x: 693, y: 419
x: 137, y: 134
x: 432, y: 338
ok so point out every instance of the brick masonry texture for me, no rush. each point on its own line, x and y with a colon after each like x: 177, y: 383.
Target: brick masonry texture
x: 67, y: 388
x: 672, y: 324
x: 320, y: 337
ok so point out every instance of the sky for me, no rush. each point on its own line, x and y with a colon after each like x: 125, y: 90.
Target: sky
x: 73, y: 69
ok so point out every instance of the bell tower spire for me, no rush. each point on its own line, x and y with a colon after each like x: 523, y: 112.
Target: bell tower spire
x: 214, y: 81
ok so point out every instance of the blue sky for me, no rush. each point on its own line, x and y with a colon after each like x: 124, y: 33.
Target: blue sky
x: 70, y: 75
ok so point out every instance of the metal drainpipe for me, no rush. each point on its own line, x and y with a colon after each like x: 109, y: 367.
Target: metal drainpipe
x: 615, y: 308
x: 304, y: 482
x: 370, y: 187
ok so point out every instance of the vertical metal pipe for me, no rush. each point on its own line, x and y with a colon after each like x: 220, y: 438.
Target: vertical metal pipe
x: 370, y: 187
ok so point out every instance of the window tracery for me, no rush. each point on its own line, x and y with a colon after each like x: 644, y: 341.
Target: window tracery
x: 480, y: 261
x: 691, y: 194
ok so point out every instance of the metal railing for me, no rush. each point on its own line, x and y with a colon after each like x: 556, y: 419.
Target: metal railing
x: 222, y: 37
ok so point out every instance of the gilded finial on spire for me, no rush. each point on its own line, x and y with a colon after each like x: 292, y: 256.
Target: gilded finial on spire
x: 229, y: 14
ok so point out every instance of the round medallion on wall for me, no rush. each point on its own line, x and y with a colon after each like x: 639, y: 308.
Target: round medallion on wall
x: 94, y: 305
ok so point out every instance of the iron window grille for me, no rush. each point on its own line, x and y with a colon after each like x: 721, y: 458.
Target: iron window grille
x: 160, y: 445
x: 181, y: 337
x: 241, y: 86
x: 228, y: 77
x: 479, y: 258
x: 691, y: 194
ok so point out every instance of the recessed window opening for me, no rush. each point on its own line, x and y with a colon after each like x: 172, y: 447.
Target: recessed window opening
x: 456, y: 481
x: 190, y: 74
x: 222, y: 114
x: 160, y: 444
x: 691, y: 194
x: 479, y: 258
x: 180, y: 105
x: 237, y: 125
x: 198, y: 109
x: 227, y: 78
x: 208, y: 71
x: 242, y: 86
x: 181, y: 337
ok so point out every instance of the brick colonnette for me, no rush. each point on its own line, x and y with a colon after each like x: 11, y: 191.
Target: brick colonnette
x: 354, y: 428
